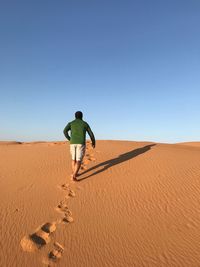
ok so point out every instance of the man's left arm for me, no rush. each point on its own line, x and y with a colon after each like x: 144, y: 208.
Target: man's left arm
x: 91, y: 136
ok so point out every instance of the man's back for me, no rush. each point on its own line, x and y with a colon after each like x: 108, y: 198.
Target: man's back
x: 78, y: 131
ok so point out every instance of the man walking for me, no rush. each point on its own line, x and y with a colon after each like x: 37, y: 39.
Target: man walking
x: 78, y: 128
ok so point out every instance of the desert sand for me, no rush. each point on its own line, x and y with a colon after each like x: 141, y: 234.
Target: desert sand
x: 135, y: 204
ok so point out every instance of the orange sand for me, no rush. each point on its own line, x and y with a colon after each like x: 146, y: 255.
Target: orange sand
x: 137, y: 204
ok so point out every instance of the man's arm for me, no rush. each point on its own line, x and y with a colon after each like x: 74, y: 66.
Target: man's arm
x: 91, y: 136
x: 65, y: 131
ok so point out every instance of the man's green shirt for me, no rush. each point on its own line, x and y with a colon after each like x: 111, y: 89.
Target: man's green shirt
x: 78, y: 130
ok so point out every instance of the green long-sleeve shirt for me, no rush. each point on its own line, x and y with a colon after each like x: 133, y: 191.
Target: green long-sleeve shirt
x: 78, y: 130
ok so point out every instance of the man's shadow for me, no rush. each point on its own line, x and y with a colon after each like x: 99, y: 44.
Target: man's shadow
x: 112, y: 162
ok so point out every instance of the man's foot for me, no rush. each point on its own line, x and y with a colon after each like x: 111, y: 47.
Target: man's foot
x: 73, y: 177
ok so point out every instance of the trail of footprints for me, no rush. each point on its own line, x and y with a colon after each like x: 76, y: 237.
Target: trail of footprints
x: 88, y: 157
x: 42, y: 235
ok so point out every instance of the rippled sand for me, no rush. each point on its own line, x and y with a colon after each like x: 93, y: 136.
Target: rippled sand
x: 135, y: 204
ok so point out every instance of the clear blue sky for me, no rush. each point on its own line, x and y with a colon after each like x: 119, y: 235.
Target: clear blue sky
x: 132, y: 67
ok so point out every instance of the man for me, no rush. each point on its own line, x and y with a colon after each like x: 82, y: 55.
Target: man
x: 78, y: 128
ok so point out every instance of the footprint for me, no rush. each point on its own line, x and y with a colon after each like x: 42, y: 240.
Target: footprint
x: 83, y: 165
x: 68, y: 217
x: 56, y: 252
x: 39, y: 238
x: 91, y: 159
x: 49, y: 227
x: 83, y: 168
x: 62, y: 207
x: 65, y: 186
x: 42, y: 236
x: 71, y: 193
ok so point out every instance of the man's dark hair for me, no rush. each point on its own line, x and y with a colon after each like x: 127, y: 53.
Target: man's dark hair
x: 78, y: 115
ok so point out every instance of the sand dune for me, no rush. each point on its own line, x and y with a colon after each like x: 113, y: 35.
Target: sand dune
x: 9, y: 143
x: 195, y: 144
x: 136, y: 204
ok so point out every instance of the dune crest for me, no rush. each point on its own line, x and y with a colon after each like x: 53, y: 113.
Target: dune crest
x: 194, y: 144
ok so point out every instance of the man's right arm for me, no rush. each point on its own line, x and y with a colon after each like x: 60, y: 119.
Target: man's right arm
x: 65, y: 131
x: 91, y: 136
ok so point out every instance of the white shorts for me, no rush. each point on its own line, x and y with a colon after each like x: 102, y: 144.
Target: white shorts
x: 77, y: 151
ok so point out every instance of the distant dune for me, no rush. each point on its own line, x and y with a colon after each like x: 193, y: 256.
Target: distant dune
x: 136, y: 204
x: 31, y: 143
x: 195, y: 144
x: 10, y: 143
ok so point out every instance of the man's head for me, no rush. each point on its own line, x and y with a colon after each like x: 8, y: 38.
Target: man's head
x: 78, y: 115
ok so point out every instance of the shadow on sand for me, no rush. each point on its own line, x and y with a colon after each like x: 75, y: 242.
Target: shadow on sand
x: 112, y: 162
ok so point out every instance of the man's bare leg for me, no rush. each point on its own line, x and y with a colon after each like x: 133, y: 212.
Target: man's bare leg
x: 77, y: 167
x: 73, y: 167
